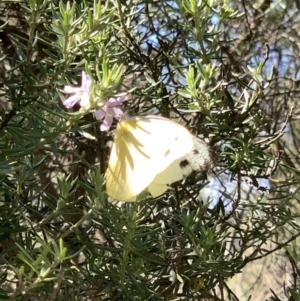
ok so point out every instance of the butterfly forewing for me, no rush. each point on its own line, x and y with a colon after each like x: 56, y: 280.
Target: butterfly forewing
x: 143, y: 147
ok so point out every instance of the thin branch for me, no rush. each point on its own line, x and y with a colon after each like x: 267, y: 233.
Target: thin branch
x: 280, y: 133
x: 280, y: 246
x: 8, y: 117
x: 266, y: 55
x: 230, y: 292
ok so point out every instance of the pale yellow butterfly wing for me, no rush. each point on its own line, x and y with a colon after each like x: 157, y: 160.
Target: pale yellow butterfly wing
x: 143, y: 147
x: 157, y: 189
x: 199, y: 159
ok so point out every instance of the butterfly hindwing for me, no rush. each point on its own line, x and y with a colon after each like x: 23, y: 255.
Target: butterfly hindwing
x: 199, y: 159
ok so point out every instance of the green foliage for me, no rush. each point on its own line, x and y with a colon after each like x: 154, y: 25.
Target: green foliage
x: 62, y: 238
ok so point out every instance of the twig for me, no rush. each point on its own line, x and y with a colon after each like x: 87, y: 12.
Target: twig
x: 230, y: 292
x: 293, y: 263
x: 267, y: 55
x: 57, y: 285
x: 277, y: 161
x: 280, y: 133
x: 252, y: 183
x: 8, y: 117
x: 248, y: 23
x: 280, y: 246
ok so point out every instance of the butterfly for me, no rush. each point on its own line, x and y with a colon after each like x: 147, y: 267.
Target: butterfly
x: 152, y: 152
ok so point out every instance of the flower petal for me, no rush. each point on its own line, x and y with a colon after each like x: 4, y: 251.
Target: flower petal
x: 86, y: 82
x: 70, y: 89
x: 106, y: 123
x: 117, y: 112
x: 83, y: 76
x: 100, y: 114
x: 71, y: 101
x: 113, y: 102
x: 85, y: 100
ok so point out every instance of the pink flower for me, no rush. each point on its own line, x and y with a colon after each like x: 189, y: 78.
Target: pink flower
x: 110, y: 111
x: 81, y: 94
